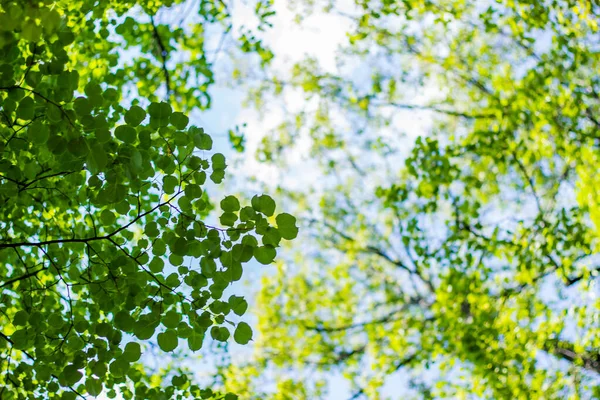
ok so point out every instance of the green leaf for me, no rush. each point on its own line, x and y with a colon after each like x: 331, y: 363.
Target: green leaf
x: 93, y: 386
x: 132, y: 352
x: 179, y: 120
x: 193, y: 191
x: 26, y: 109
x: 195, y: 341
x: 160, y: 111
x: 137, y: 160
x: 119, y: 367
x: 135, y: 115
x: 97, y: 159
x: 228, y: 219
x: 217, y: 176
x: 21, y: 318
x: 51, y: 20
x: 180, y: 246
x: 247, y: 214
x: 124, y: 321
x: 230, y: 204
x: 167, y: 340
x: 286, y: 224
x: 54, y: 113
x: 265, y: 254
x: 243, y: 333
x: 93, y: 89
x: 78, y: 147
x: 238, y: 304
x: 263, y: 204
x: 107, y: 217
x: 71, y: 375
x: 171, y: 319
x: 271, y: 237
x: 38, y: 133
x: 151, y: 229
x: 156, y: 265
x: 33, y: 78
x: 208, y: 267
x: 242, y: 252
x: 126, y: 133
x: 103, y: 135
x: 219, y: 333
x: 31, y: 31
x: 172, y: 280
x: 145, y: 326
x: 169, y: 184
x: 218, y: 161
x: 68, y: 80
x: 203, y: 141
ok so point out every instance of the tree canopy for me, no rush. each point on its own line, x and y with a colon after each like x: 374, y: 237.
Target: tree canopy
x: 440, y: 179
x: 104, y: 248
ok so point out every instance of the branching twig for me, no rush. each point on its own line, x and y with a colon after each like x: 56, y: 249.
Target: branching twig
x: 163, y: 55
x: 90, y: 239
x: 38, y: 94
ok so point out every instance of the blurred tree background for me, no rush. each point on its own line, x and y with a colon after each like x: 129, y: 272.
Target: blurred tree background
x: 447, y: 256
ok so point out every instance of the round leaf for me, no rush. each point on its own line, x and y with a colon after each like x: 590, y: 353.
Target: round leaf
x: 167, y: 340
x: 265, y: 254
x: 179, y: 120
x: 132, y: 352
x: 135, y: 115
x: 243, y: 333
x: 286, y: 225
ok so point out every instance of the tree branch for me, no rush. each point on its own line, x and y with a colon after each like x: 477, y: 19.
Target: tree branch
x: 42, y: 97
x: 435, y: 109
x: 22, y: 277
x: 163, y: 54
x: 90, y: 239
x: 566, y: 351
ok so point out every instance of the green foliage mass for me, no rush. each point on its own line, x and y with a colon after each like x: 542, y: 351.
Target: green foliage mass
x: 103, y: 196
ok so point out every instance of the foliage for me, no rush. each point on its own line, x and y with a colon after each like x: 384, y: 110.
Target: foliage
x: 463, y: 265
x: 103, y: 198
